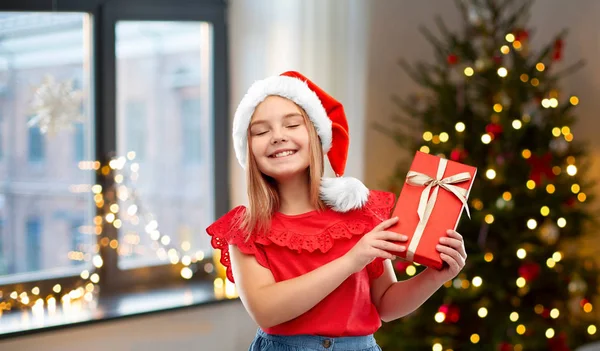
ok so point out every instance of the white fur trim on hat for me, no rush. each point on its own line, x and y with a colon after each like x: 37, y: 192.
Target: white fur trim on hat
x: 344, y: 194
x: 287, y: 87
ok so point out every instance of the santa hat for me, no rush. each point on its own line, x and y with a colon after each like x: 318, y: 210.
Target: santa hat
x: 342, y: 194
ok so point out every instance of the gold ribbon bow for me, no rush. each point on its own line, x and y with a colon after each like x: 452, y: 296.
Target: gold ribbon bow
x: 426, y: 203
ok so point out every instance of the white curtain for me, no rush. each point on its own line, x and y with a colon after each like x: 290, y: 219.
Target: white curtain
x: 323, y: 39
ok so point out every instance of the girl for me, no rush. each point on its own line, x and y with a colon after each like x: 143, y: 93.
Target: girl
x: 310, y: 255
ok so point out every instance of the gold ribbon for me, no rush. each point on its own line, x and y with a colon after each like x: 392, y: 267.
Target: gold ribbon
x: 426, y: 203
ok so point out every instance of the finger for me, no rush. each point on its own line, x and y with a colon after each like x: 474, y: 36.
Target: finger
x: 450, y: 252
x: 388, y: 246
x: 386, y: 224
x: 384, y: 254
x: 456, y: 244
x: 451, y: 262
x: 393, y: 236
x: 454, y: 234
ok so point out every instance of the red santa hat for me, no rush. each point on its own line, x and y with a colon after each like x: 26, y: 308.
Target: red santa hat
x: 327, y: 114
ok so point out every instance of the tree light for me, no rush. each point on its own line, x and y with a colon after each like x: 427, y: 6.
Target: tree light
x: 554, y: 313
x: 502, y: 72
x: 561, y: 222
x: 440, y: 317
x: 490, y: 173
x: 571, y: 170
x: 510, y: 37
x: 514, y: 317
x: 427, y: 136
x: 477, y: 281
x: 460, y: 127
x: 517, y: 124
x: 469, y: 71
x: 549, y: 333
x: 486, y: 138
x: 531, y: 224
x: 475, y: 338
x: 521, y: 253
x: 482, y: 312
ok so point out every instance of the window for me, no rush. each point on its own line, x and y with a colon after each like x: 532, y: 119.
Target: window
x: 191, y: 117
x: 33, y: 245
x: 135, y: 120
x: 150, y: 208
x: 3, y: 258
x: 36, y: 145
x: 169, y: 207
x: 34, y: 202
x: 79, y: 142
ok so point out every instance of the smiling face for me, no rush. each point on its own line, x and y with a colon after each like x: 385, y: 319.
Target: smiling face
x: 279, y: 139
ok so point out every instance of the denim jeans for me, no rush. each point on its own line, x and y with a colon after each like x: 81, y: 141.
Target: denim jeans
x: 267, y: 342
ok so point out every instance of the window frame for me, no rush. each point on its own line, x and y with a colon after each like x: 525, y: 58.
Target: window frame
x: 104, y: 15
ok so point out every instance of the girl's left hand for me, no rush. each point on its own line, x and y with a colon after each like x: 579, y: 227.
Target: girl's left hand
x: 452, y: 251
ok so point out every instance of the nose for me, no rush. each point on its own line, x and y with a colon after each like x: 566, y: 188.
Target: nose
x: 278, y: 137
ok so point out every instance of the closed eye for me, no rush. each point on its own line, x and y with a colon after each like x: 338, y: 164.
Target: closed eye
x: 294, y: 126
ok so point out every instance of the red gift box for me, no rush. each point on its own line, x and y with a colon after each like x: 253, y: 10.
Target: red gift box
x: 431, y: 202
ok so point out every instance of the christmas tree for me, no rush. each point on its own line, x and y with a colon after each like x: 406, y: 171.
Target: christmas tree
x: 489, y: 100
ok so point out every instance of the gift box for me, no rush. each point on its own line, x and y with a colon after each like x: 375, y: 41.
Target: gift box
x: 431, y: 202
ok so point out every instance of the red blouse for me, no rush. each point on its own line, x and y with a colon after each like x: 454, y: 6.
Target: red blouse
x: 298, y: 244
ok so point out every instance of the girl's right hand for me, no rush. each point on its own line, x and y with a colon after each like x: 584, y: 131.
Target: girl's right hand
x: 374, y: 244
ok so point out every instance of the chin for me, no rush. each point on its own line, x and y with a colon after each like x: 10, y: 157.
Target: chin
x: 285, y: 172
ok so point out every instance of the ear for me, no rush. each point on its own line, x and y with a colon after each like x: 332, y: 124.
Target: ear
x: 338, y: 154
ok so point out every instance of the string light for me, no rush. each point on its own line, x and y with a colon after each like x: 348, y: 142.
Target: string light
x: 561, y: 222
x: 475, y: 338
x: 526, y: 153
x: 444, y: 137
x: 521, y: 329
x: 460, y: 127
x: 591, y: 329
x: 425, y: 149
x: 524, y: 78
x: 521, y: 253
x: 510, y: 37
x: 550, y: 263
x: 469, y: 71
x: 489, y: 218
x: 549, y: 333
x: 486, y: 138
x: 411, y: 270
x: 516, y: 124
x: 477, y: 281
x: 540, y: 66
x: 545, y: 211
x: 427, y: 136
x: 505, y: 49
x: 531, y: 224
x: 535, y: 82
x: 575, y: 188
x: 514, y: 316
x: 437, y: 347
x: 488, y: 257
x: 502, y: 72
x: 574, y: 100
x: 490, y: 174
x: 440, y: 317
x: 571, y: 170
x: 482, y: 312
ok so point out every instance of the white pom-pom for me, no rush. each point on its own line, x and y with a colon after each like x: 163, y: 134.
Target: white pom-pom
x: 344, y: 194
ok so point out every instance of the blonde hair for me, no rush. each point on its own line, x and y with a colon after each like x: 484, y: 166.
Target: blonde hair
x: 263, y: 196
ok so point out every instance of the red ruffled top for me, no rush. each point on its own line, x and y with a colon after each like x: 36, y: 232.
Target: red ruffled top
x: 298, y: 244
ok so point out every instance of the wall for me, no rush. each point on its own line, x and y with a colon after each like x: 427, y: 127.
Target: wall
x: 222, y: 327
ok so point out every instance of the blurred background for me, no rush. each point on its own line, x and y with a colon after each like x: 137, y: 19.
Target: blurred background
x: 115, y: 156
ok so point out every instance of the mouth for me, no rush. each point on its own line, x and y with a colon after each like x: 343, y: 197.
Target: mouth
x: 282, y: 153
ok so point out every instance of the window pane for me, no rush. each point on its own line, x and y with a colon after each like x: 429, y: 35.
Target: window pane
x: 164, y: 128
x: 45, y: 140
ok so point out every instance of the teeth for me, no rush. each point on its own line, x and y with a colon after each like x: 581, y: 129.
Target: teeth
x: 283, y: 154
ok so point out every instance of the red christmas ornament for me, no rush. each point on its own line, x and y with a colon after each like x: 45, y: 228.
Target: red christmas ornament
x: 453, y: 314
x: 583, y: 302
x: 452, y: 59
x: 521, y: 34
x: 558, y: 343
x: 570, y: 201
x: 546, y: 313
x: 458, y: 154
x: 558, y: 50
x: 540, y: 166
x: 494, y: 129
x: 504, y: 346
x: 401, y: 265
x: 529, y: 271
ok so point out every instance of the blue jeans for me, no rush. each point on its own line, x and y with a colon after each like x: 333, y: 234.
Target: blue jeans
x: 267, y: 342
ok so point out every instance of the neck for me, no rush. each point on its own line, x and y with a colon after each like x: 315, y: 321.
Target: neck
x: 294, y: 195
